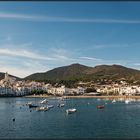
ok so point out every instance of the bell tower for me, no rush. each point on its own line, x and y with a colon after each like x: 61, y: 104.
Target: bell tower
x: 6, y: 76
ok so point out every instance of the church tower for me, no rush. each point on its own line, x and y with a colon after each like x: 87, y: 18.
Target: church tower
x: 6, y: 76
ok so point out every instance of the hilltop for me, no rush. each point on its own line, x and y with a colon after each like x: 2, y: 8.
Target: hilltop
x: 77, y: 72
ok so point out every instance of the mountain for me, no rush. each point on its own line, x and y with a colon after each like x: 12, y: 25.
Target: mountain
x: 114, y: 72
x: 2, y: 75
x: 65, y: 72
x: 80, y: 72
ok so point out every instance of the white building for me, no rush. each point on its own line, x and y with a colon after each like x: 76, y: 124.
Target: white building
x: 78, y: 90
x: 58, y: 90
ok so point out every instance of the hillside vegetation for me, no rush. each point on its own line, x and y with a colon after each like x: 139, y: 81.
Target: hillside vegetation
x: 78, y: 72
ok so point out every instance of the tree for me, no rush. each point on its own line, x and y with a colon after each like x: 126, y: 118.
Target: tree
x: 88, y: 90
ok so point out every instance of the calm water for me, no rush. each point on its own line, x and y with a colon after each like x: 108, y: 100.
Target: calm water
x: 118, y: 120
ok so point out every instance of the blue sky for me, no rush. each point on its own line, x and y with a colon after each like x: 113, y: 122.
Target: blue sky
x: 39, y: 36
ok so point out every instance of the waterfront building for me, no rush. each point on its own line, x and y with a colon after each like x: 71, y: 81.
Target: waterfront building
x: 58, y: 90
x: 66, y: 91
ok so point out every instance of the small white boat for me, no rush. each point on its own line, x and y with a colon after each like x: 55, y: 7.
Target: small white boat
x: 127, y: 101
x: 42, y: 108
x: 50, y: 106
x: 61, y: 105
x: 72, y: 110
x: 114, y: 101
x: 29, y: 103
x: 43, y: 101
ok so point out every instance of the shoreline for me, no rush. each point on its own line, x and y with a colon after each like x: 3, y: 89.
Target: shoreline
x: 81, y: 96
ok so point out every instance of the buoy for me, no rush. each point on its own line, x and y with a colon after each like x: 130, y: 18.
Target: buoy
x: 13, y: 119
x: 30, y: 110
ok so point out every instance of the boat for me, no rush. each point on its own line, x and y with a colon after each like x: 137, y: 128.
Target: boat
x: 70, y: 111
x: 29, y: 103
x: 100, y: 107
x: 50, y: 106
x: 32, y: 106
x: 114, y: 101
x: 127, y: 101
x: 61, y: 105
x: 42, y: 108
x: 43, y: 101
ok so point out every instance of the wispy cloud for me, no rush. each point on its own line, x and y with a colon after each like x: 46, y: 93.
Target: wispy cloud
x: 39, y: 18
x: 21, y: 61
x: 19, y: 72
x: 23, y: 53
x: 23, y: 71
x: 61, y: 54
x: 90, y: 58
x: 115, y: 46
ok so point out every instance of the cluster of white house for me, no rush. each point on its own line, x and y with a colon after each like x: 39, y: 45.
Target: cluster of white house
x: 9, y: 86
x: 65, y: 91
x: 120, y: 90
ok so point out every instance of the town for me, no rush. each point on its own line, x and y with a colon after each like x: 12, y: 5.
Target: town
x: 9, y: 86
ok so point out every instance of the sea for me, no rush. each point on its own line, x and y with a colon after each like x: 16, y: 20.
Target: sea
x: 116, y: 120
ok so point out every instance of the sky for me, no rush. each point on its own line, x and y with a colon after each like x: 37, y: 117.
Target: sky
x: 40, y: 36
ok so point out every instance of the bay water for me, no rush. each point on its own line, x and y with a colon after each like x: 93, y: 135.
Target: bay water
x: 116, y: 120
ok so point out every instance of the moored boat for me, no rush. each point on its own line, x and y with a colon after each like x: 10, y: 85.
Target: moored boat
x: 42, y: 108
x: 100, y: 107
x: 61, y: 105
x: 127, y: 101
x: 32, y: 106
x: 114, y: 101
x: 50, y: 106
x: 29, y: 103
x: 70, y: 111
x: 43, y: 101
